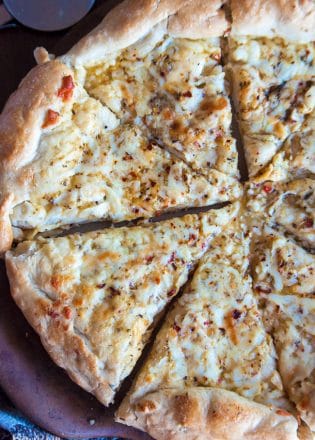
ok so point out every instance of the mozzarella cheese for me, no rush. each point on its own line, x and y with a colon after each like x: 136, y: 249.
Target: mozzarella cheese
x: 274, y: 90
x: 104, y: 158
x: 291, y: 319
x: 285, y: 207
x: 214, y: 335
x: 176, y: 89
x: 281, y: 266
x: 108, y: 287
x: 88, y: 172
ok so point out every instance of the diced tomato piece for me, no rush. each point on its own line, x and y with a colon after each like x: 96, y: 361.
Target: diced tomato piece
x: 267, y: 188
x: 66, y: 90
x: 308, y: 223
x: 51, y: 118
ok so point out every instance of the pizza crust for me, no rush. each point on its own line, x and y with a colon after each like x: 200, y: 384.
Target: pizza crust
x: 133, y: 19
x: 20, y: 130
x: 205, y: 413
x: 66, y: 348
x: 290, y: 19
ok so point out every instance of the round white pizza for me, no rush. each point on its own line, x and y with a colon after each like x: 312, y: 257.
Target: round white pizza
x: 133, y: 126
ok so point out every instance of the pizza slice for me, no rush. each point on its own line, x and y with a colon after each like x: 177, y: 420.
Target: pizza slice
x: 291, y: 320
x: 212, y: 371
x: 95, y: 297
x: 174, y: 87
x: 284, y: 281
x: 271, y: 62
x: 287, y: 207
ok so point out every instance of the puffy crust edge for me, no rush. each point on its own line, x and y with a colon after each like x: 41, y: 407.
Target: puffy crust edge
x: 133, y: 19
x: 290, y: 19
x: 207, y: 413
x: 67, y: 348
x: 20, y: 130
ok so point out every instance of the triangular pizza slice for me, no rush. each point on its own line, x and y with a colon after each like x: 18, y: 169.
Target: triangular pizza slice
x: 271, y: 54
x: 291, y: 321
x: 284, y: 280
x: 95, y: 297
x: 212, y: 371
x: 176, y: 89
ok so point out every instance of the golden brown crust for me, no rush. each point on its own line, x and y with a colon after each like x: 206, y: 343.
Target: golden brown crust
x: 6, y: 233
x: 290, y: 19
x: 23, y: 114
x: 20, y: 129
x: 205, y: 413
x: 133, y: 19
x: 64, y: 345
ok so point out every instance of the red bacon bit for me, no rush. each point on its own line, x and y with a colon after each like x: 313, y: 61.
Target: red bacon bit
x: 203, y: 245
x: 172, y: 258
x: 67, y: 312
x: 207, y: 323
x: 66, y: 90
x: 192, y: 239
x: 53, y: 314
x: 267, y: 188
x: 308, y: 223
x: 176, y: 327
x: 149, y: 259
x: 51, y: 118
x: 171, y: 293
x: 283, y: 412
x: 187, y: 94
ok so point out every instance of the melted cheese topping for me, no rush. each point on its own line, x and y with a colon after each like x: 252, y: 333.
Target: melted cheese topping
x: 281, y: 266
x: 89, y: 169
x: 116, y: 282
x: 176, y: 89
x: 287, y: 207
x: 292, y: 322
x: 99, y: 161
x: 274, y: 84
x: 214, y: 336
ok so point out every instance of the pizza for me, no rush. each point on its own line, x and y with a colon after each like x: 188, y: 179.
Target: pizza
x: 94, y: 298
x: 212, y: 371
x: 271, y: 62
x: 133, y: 126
